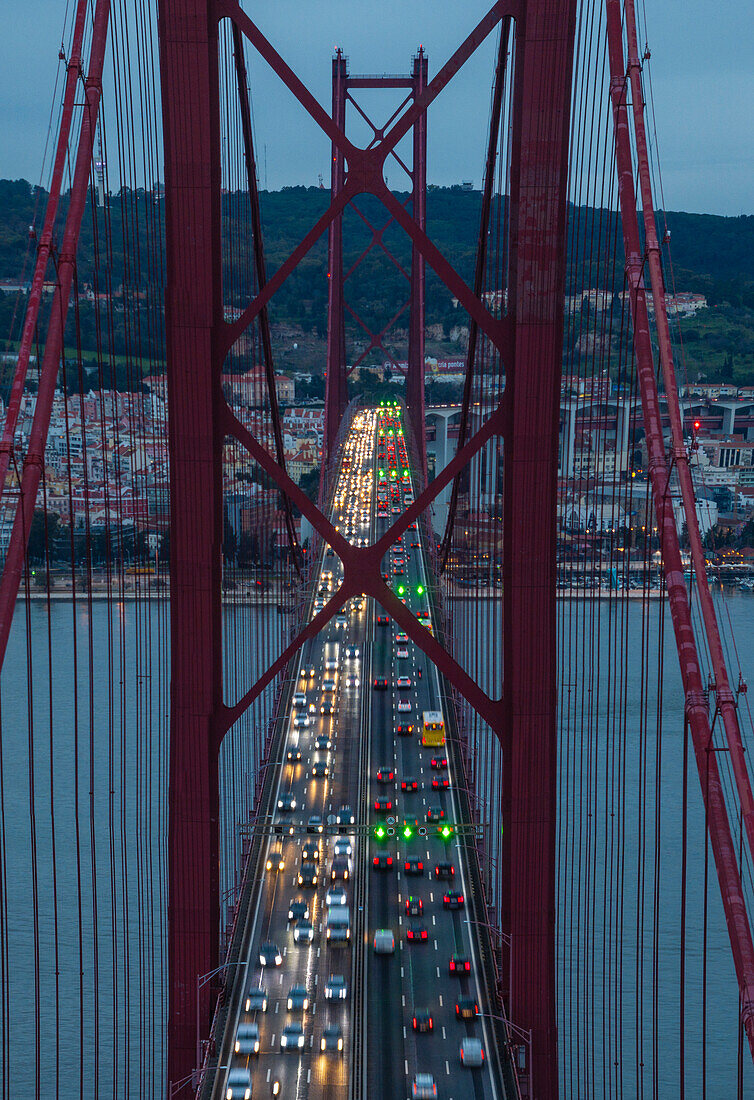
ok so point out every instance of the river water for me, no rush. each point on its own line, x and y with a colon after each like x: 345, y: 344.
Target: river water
x: 83, y: 816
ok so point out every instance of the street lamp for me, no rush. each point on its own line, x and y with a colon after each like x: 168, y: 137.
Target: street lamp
x: 201, y: 981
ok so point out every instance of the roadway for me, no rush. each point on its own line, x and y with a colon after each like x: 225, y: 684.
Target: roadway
x: 381, y: 1052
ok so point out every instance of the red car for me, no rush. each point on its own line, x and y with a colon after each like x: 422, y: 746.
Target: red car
x: 382, y: 862
x: 452, y: 901
x: 440, y: 783
x: 383, y: 620
x: 409, y: 784
x: 413, y: 867
x: 383, y: 804
x: 459, y: 964
x: 380, y: 683
x: 438, y: 762
x: 405, y: 731
x: 414, y: 906
x: 416, y: 934
x: 444, y: 870
x: 385, y: 775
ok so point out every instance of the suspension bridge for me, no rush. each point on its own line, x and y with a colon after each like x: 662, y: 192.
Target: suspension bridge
x: 337, y: 797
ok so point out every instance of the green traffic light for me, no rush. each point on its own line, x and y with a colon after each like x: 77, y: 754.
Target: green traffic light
x: 420, y: 590
x: 408, y: 832
x: 380, y: 832
x: 446, y: 831
x: 401, y: 589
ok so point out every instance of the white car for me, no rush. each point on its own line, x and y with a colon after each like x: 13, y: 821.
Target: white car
x: 303, y: 932
x: 384, y: 942
x: 238, y: 1084
x: 336, y: 988
x: 292, y: 1037
x: 301, y: 722
x: 401, y: 654
x: 247, y: 1039
x: 336, y: 895
x: 471, y: 1053
x: 352, y: 681
x: 404, y: 706
x: 299, y: 699
x: 424, y: 1087
x: 343, y: 846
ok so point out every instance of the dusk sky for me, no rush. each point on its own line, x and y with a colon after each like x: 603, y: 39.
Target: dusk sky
x: 702, y: 77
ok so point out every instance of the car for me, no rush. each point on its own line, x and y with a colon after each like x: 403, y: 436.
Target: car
x: 416, y: 933
x: 435, y: 813
x: 422, y: 1020
x: 298, y: 909
x: 303, y: 932
x: 293, y: 756
x: 413, y: 866
x: 352, y: 652
x: 336, y: 895
x: 383, y: 620
x: 247, y: 1038
x: 298, y: 999
x: 382, y: 862
x: 410, y: 783
x: 336, y: 988
x: 340, y: 868
x: 384, y: 941
x: 471, y: 1053
x: 345, y: 816
x: 341, y: 621
x: 383, y: 804
x: 352, y: 681
x: 327, y: 707
x: 328, y: 685
x: 444, y: 869
x: 307, y: 875
x: 440, y: 783
x: 286, y: 802
x: 310, y: 850
x: 423, y: 1087
x: 412, y: 526
x: 401, y: 639
x: 398, y: 570
x: 269, y: 954
x: 380, y: 683
x: 405, y: 729
x: 238, y: 1084
x: 403, y: 683
x: 385, y: 775
x: 343, y: 846
x: 404, y: 706
x: 320, y: 769
x: 314, y: 824
x: 292, y: 1037
x: 466, y: 1008
x: 414, y: 906
x: 459, y: 965
x: 299, y: 699
x: 256, y: 1000
x: 301, y: 722
x: 275, y: 859
x: 452, y: 901
x: 401, y: 654
x: 438, y: 762
x: 332, y: 1038
x: 323, y: 743
x: 331, y: 664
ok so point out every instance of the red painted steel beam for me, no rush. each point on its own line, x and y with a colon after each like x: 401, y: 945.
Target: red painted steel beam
x: 73, y: 73
x: 539, y: 176
x: 697, y: 714
x: 194, y: 320
x: 33, y: 466
x: 726, y: 701
x: 415, y: 372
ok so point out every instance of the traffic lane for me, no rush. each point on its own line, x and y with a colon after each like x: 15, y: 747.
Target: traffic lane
x: 385, y: 1056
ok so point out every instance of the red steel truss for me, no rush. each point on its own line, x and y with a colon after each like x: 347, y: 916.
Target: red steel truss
x: 336, y: 393
x: 528, y: 339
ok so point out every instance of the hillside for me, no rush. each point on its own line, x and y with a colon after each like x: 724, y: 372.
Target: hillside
x: 712, y: 255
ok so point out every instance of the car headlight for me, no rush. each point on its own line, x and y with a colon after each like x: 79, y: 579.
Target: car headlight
x: 290, y: 1004
x: 322, y: 1044
x: 238, y: 1048
x: 278, y: 960
x: 301, y: 1040
x: 261, y: 960
x: 340, y: 1044
x: 256, y: 1047
x: 284, y: 1040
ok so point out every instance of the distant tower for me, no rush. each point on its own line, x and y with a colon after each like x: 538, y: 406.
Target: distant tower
x: 99, y: 170
x: 321, y: 182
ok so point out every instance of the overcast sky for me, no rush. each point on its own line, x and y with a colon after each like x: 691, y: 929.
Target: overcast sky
x: 702, y: 77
